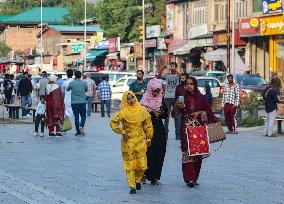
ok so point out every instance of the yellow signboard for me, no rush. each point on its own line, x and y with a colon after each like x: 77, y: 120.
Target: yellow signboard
x: 272, y: 25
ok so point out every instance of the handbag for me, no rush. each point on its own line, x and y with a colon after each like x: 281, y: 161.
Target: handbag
x: 197, y: 140
x: 66, y: 125
x: 215, y: 132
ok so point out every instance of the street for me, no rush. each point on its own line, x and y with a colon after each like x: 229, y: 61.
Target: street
x: 248, y: 168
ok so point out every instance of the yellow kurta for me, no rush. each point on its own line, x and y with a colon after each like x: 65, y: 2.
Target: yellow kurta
x: 135, y: 149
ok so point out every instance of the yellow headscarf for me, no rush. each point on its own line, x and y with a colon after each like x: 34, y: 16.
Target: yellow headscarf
x: 133, y: 114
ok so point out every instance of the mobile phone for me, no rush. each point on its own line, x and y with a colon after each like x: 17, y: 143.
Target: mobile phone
x: 181, y: 99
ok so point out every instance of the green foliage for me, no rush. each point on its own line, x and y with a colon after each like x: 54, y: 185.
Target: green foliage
x: 122, y: 18
x: 4, y: 49
x: 76, y: 14
x: 251, y: 121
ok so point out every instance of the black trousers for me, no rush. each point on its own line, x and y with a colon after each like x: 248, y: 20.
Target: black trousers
x: 39, y: 120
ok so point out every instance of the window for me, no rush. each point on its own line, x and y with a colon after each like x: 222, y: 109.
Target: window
x: 241, y: 8
x: 220, y: 10
x: 257, y: 6
x: 120, y: 83
x: 211, y: 82
x: 199, y: 13
x: 183, y: 13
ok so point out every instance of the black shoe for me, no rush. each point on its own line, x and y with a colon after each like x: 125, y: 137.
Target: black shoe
x: 102, y: 116
x: 190, y: 184
x: 108, y: 115
x: 77, y: 134
x: 132, y: 191
x: 52, y: 134
x: 138, y: 186
x: 59, y: 134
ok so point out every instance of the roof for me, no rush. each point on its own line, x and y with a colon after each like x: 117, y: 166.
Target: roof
x: 67, y: 28
x: 4, y: 18
x: 50, y: 15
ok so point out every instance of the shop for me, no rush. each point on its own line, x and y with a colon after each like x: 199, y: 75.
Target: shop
x: 272, y: 28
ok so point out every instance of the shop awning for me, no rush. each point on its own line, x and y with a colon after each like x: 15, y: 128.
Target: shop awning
x: 92, y: 54
x: 221, y: 55
x: 112, y: 55
x: 204, y: 42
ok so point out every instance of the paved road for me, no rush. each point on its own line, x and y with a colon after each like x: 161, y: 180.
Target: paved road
x: 249, y: 168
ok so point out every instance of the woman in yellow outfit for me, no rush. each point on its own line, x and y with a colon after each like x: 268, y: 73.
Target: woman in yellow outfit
x: 137, y: 132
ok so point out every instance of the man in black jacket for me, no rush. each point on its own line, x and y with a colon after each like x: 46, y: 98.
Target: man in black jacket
x: 24, y: 92
x: 270, y: 96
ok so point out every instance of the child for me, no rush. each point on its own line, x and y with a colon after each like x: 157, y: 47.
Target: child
x: 40, y: 115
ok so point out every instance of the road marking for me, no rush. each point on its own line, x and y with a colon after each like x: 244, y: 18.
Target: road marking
x: 19, y: 190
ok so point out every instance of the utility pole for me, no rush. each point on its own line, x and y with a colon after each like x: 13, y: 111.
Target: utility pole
x: 143, y: 44
x: 85, y: 38
x: 233, y: 38
x: 228, y: 36
x: 41, y: 44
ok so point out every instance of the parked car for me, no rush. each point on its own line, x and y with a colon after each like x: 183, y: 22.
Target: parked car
x: 216, y: 74
x: 121, y: 86
x: 250, y: 82
x: 114, y: 76
x: 214, y: 83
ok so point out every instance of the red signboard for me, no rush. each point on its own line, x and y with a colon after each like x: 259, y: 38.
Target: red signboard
x: 176, y: 44
x: 220, y: 38
x: 249, y: 27
x: 150, y: 43
x: 112, y: 45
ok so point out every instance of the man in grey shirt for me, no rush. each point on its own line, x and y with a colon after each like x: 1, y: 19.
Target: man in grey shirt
x: 172, y: 81
x: 43, y: 84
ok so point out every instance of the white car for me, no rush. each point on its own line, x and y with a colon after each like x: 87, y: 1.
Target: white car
x: 121, y: 86
x: 114, y: 76
x: 214, y: 83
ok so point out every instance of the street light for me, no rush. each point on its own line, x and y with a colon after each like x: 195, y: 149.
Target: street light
x: 233, y: 38
x: 41, y: 46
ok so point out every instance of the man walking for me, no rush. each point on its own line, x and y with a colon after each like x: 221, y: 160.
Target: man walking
x: 172, y: 81
x: 25, y: 89
x: 139, y: 86
x: 90, y: 94
x: 230, y: 103
x: 105, y: 95
x: 276, y: 83
x: 67, y: 94
x: 43, y: 84
x: 180, y: 92
x: 270, y: 96
x: 8, y: 88
x: 78, y: 89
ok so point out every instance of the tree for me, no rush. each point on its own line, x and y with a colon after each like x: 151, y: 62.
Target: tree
x: 122, y: 18
x: 4, y: 49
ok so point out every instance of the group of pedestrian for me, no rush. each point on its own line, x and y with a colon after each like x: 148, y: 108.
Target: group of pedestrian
x: 144, y: 133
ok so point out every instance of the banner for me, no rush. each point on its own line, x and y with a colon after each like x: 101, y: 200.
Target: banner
x: 170, y: 13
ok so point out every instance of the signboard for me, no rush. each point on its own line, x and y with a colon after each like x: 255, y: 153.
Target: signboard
x: 103, y: 45
x: 170, y: 14
x: 272, y: 25
x: 112, y: 45
x: 28, y: 52
x: 150, y: 43
x: 220, y: 38
x: 176, y: 44
x: 97, y: 38
x: 153, y: 31
x: 272, y: 6
x: 131, y: 62
x: 161, y: 44
x: 249, y: 27
x: 198, y: 30
x: 77, y: 48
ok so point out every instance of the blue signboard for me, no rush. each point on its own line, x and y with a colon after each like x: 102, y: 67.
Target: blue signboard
x: 272, y: 6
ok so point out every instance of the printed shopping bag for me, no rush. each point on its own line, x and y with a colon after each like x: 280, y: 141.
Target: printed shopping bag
x: 66, y: 125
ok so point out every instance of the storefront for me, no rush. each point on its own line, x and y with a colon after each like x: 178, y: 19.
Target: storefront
x: 272, y: 27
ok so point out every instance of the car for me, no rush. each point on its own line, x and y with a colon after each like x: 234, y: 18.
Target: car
x: 96, y: 76
x: 114, y: 76
x: 216, y: 74
x: 250, y: 82
x: 121, y: 86
x: 214, y: 83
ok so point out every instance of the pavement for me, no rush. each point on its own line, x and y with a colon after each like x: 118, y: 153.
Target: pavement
x: 248, y: 168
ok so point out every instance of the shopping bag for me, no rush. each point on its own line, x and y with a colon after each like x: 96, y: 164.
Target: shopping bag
x: 198, y: 140
x: 66, y: 125
x: 215, y: 132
